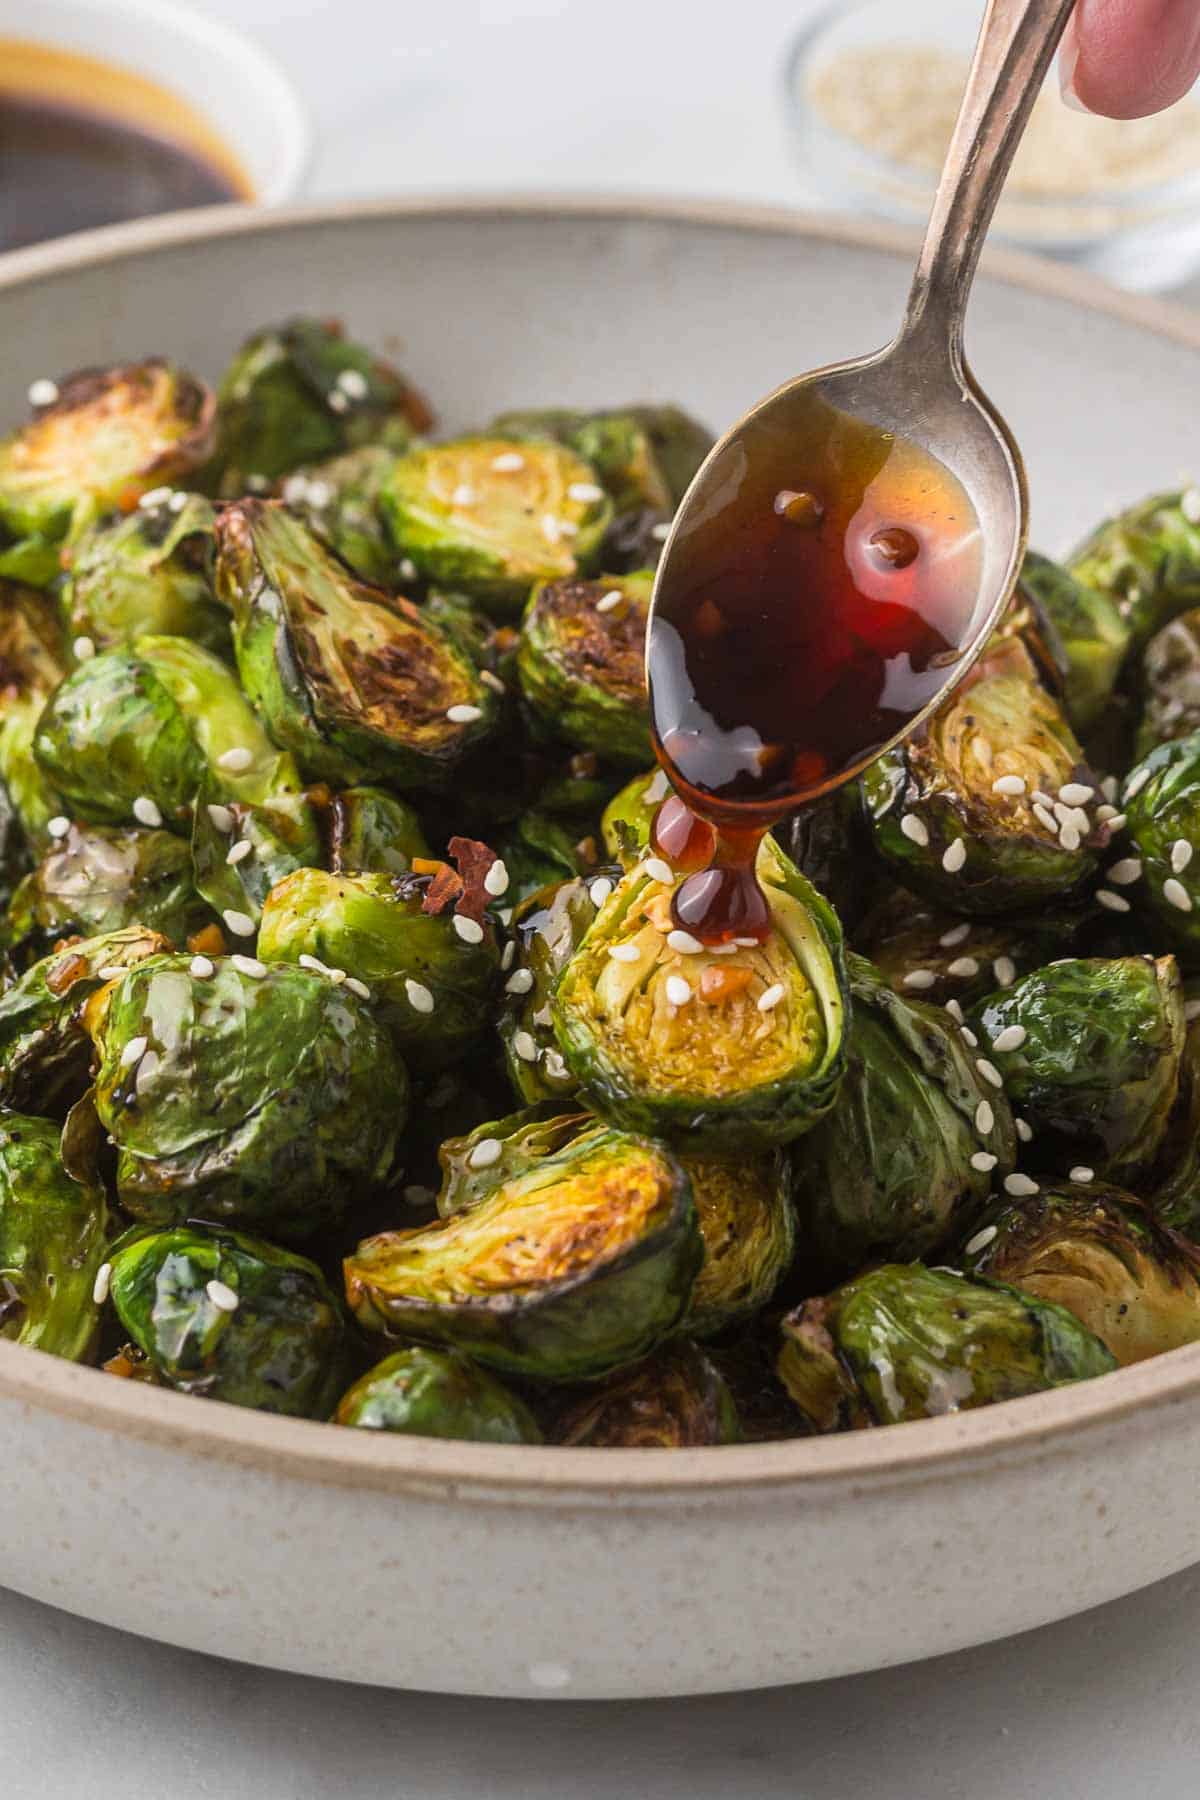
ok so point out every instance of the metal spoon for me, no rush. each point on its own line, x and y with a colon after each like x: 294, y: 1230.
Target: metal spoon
x: 919, y: 388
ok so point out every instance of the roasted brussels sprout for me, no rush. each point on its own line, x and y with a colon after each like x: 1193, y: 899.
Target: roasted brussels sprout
x: 830, y: 845
x: 748, y: 1224
x: 912, y: 1144
x: 1089, y: 1052
x: 98, y: 879
x: 1161, y: 798
x: 1169, y: 679
x: 266, y: 843
x: 1100, y: 1253
x: 339, y: 500
x: 946, y: 810
x: 1147, y: 561
x: 907, y: 1342
x: 133, y: 735
x: 581, y: 663
x: 370, y: 830
x: 580, y: 1262
x: 348, y: 678
x: 1091, y: 631
x: 301, y: 392
x: 645, y: 456
x: 928, y: 953
x: 230, y: 1318
x: 429, y: 975
x: 238, y: 1091
x: 489, y: 517
x: 108, y: 436
x: 746, y: 1361
x: 539, y: 852
x: 548, y: 927
x: 33, y: 662
x: 437, y: 1393
x: 147, y: 573
x: 1174, y: 1190
x: 53, y: 1231
x: 676, y: 1400
x: 714, y: 1052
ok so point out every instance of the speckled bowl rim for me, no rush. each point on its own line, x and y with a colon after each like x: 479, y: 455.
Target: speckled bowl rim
x: 306, y: 1450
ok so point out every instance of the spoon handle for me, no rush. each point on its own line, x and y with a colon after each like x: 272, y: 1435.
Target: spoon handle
x: 1017, y: 42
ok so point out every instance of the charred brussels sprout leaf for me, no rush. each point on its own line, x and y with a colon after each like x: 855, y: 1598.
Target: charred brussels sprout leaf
x: 348, y: 678
x: 549, y: 927
x: 1170, y: 684
x: 581, y: 663
x: 937, y: 791
x: 233, y: 1319
x: 750, y: 1058
x: 492, y: 532
x: 258, y: 1095
x: 53, y: 1231
x: 339, y: 500
x: 301, y: 392
x: 676, y: 1400
x: 645, y: 456
x: 1161, y: 798
x: 32, y: 662
x: 111, y: 435
x: 1147, y: 561
x: 371, y: 831
x: 576, y: 1266
x: 148, y: 573
x: 1090, y: 630
x: 1095, y: 1058
x: 282, y: 835
x: 98, y: 879
x: 437, y: 1393
x: 1100, y: 1253
x: 429, y: 985
x: 906, y: 1342
x: 913, y: 1142
x: 927, y: 953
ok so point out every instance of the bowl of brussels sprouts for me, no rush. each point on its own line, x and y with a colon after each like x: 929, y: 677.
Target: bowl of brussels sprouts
x: 509, y: 1294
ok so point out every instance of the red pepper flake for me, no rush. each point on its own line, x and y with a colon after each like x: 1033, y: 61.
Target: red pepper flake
x: 65, y: 974
x: 464, y: 889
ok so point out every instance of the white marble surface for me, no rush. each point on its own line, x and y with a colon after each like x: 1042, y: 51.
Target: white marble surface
x: 653, y: 96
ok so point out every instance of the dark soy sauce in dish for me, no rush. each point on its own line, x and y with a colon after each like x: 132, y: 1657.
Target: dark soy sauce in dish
x: 822, y: 599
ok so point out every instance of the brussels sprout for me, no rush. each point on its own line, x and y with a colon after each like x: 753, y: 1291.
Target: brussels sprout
x: 33, y: 662
x: 301, y: 392
x: 437, y: 1393
x: 746, y: 1361
x: 99, y: 879
x: 1098, y: 1252
x: 370, y: 830
x: 1175, y: 1189
x: 629, y: 816
x: 45, y: 1048
x: 339, y: 501
x: 913, y: 1142
x: 1146, y: 560
x: 230, y: 1318
x: 483, y: 643
x: 539, y: 852
x: 493, y: 532
x: 548, y: 927
x: 53, y: 1231
x: 109, y: 436
x: 748, y: 1225
x: 581, y: 663
x: 153, y: 724
x: 429, y: 983
x: 830, y: 845
x: 1089, y: 1051
x: 644, y: 455
x: 1161, y: 799
x: 751, y: 1056
x: 927, y: 953
x: 258, y: 1095
x: 146, y: 573
x: 906, y: 1342
x: 267, y: 843
x: 346, y: 677
x: 1088, y: 626
x: 1170, y: 684
x: 575, y: 1264
x: 938, y: 819
x: 676, y: 1400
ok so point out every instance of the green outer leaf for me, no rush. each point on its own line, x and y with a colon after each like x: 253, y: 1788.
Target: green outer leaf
x: 437, y: 1393
x: 53, y: 1232
x: 1147, y: 560
x: 1161, y: 800
x: 99, y: 879
x: 146, y: 572
x: 284, y: 835
x: 1091, y: 630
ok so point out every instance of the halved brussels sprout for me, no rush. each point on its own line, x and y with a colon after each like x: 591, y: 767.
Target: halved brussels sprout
x: 913, y: 1143
x: 907, y: 1342
x: 369, y: 830
x: 430, y: 975
x: 491, y: 516
x: 927, y: 953
x: 1161, y: 799
x: 714, y: 1052
x: 1169, y: 679
x: 98, y: 879
x: 1147, y: 561
x: 581, y: 663
x: 147, y: 573
x: 572, y: 1267
x: 548, y: 927
x: 1100, y: 1253
x: 676, y: 1400
x: 1089, y: 1051
x: 1091, y: 631
x: 254, y: 1094
x: 109, y: 436
x: 231, y: 1318
x: 644, y: 455
x: 339, y: 500
x: 748, y: 1224
x: 301, y: 392
x: 940, y: 820
x: 155, y: 723
x: 45, y: 1048
x: 266, y: 843
x: 33, y: 660
x: 347, y: 677
x: 53, y: 1232
x: 437, y: 1393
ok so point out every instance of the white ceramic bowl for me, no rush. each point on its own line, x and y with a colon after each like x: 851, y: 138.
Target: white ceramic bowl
x: 477, y: 1569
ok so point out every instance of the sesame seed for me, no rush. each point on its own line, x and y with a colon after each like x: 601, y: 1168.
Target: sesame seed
x: 419, y: 996
x: 43, y: 391
x: 985, y: 1118
x: 1114, y: 902
x: 984, y: 1161
x: 236, y: 760
x: 981, y: 1240
x: 469, y: 930
x: 525, y: 1046
x: 551, y: 530
x: 610, y: 601
x: 1181, y: 855
x: 1005, y: 970
x: 1024, y: 1130
x: 747, y: 943
x: 84, y: 649
x: 504, y: 914
x: 920, y: 978
x: 969, y: 1038
x: 1176, y: 895
x: 585, y: 492
x: 222, y: 1297
x: 58, y: 826
x: 661, y: 532
x: 1043, y: 814
x: 146, y: 812
x: 486, y: 1152
x: 1011, y: 1038
x: 519, y: 982
x: 1189, y: 506
x: 102, y: 1283
x: 600, y: 890
x: 1009, y: 784
x: 416, y: 1195
x: 508, y: 462
x: 1076, y: 793
x: 492, y: 681
x: 1135, y: 784
x: 659, y: 870
x: 239, y: 852
x: 1080, y: 821
x: 496, y: 880
x: 770, y: 1000
x: 508, y: 956
x: 957, y: 935
x: 408, y: 569
x: 678, y: 991
x: 684, y: 943
x: 555, y: 1066
x: 963, y: 968
x: 354, y: 383
x: 658, y: 788
x: 1116, y: 823
x: 358, y: 987
x: 1105, y: 814
x: 955, y: 1011
x: 312, y: 963
x: 1043, y: 799
x: 319, y: 493
x: 624, y: 953
x: 240, y: 923
x: 155, y: 497
x: 463, y: 495
x: 1069, y: 838
x: 201, y: 967
x: 1019, y: 1186
x: 464, y: 715
x: 955, y: 856
x: 112, y: 972
x: 1128, y: 870
x: 249, y: 966
x: 1082, y: 1173
x: 133, y: 1049
x: 221, y: 817
x: 915, y: 830
x: 989, y: 1071
x: 337, y: 401
x: 1109, y: 787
